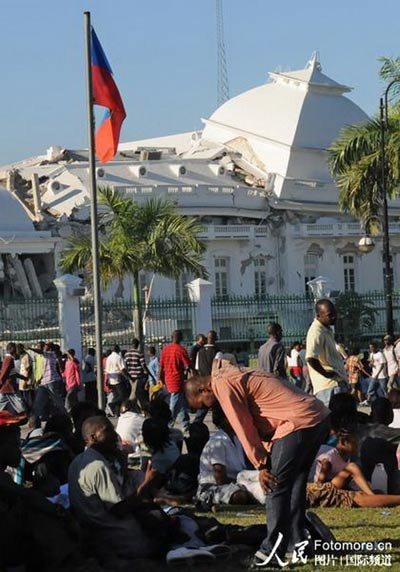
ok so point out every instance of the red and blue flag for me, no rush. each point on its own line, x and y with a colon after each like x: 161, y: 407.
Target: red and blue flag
x: 106, y: 94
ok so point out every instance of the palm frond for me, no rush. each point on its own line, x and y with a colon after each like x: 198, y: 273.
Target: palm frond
x: 355, y: 164
x: 136, y: 236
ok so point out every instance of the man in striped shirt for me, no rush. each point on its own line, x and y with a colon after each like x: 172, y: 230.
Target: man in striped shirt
x: 138, y: 373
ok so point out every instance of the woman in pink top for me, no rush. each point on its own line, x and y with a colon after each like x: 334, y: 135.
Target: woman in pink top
x: 72, y: 376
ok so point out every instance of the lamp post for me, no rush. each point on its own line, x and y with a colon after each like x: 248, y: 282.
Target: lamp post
x: 385, y: 219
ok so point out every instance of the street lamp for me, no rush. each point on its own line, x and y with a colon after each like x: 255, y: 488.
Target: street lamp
x: 388, y: 284
x: 366, y: 244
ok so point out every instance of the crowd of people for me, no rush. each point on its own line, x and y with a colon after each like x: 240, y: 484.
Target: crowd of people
x: 289, y: 433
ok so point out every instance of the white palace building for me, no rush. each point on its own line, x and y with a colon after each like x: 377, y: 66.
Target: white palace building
x: 256, y: 175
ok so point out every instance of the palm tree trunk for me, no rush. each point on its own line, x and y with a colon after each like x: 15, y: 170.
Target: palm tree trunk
x: 137, y: 310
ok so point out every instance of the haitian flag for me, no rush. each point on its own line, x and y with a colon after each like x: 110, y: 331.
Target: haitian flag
x: 105, y: 93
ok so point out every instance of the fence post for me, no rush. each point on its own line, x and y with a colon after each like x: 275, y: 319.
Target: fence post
x: 200, y: 292
x: 69, y: 290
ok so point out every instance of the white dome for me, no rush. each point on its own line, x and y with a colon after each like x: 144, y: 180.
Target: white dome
x: 13, y: 217
x: 302, y: 109
x: 289, y: 124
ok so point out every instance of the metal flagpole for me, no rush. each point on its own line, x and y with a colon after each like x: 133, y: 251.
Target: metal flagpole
x: 93, y: 213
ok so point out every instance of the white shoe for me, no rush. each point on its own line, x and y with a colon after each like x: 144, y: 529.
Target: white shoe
x: 190, y: 555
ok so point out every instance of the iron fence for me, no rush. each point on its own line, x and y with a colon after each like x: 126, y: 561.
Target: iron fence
x: 238, y: 320
x: 161, y: 318
x: 243, y: 319
x: 29, y: 320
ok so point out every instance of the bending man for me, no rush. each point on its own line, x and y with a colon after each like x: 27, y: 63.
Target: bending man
x: 280, y: 428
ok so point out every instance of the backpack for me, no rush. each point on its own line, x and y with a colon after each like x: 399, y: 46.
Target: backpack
x: 316, y: 529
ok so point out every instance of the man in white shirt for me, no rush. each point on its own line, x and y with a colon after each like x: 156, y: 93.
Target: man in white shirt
x: 392, y: 363
x: 116, y: 372
x: 378, y: 384
x: 222, y: 459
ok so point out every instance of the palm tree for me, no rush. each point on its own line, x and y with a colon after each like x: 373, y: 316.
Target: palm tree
x: 356, y: 316
x: 354, y: 158
x: 138, y: 236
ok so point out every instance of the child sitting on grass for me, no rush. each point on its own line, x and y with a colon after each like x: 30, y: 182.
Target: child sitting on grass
x: 335, y: 465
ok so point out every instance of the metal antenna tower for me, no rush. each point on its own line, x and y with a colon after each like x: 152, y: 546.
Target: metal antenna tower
x: 222, y: 80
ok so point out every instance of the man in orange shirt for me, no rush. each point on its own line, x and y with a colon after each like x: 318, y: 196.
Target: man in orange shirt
x: 281, y: 429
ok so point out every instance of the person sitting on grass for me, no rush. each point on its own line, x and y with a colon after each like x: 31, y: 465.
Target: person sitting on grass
x: 335, y: 465
x: 220, y: 462
x: 164, y: 451
x: 334, y: 471
x: 129, y: 426
x: 114, y: 506
x: 176, y: 474
x: 159, y: 409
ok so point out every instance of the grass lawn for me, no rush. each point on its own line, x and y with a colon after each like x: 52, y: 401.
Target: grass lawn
x: 363, y: 525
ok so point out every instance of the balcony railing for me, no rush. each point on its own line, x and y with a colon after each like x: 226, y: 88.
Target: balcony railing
x: 238, y: 231
x: 337, y: 229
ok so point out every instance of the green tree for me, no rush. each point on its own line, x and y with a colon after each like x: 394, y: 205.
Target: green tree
x: 355, y: 158
x: 138, y: 236
x: 356, y: 316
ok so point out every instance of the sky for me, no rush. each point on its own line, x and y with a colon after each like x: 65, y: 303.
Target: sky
x: 163, y: 55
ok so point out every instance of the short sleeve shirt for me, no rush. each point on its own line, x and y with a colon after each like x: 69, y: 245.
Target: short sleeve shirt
x: 378, y: 359
x: 94, y: 488
x: 321, y: 346
x: 271, y: 358
x: 114, y: 366
x: 221, y: 450
x: 391, y: 360
x: 174, y: 359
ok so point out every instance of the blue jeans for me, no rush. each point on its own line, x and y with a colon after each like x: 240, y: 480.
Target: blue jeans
x: 49, y: 399
x: 178, y: 406
x: 290, y: 461
x: 377, y: 388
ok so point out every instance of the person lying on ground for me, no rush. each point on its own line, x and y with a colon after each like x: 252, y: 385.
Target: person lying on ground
x: 221, y: 461
x: 327, y: 495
